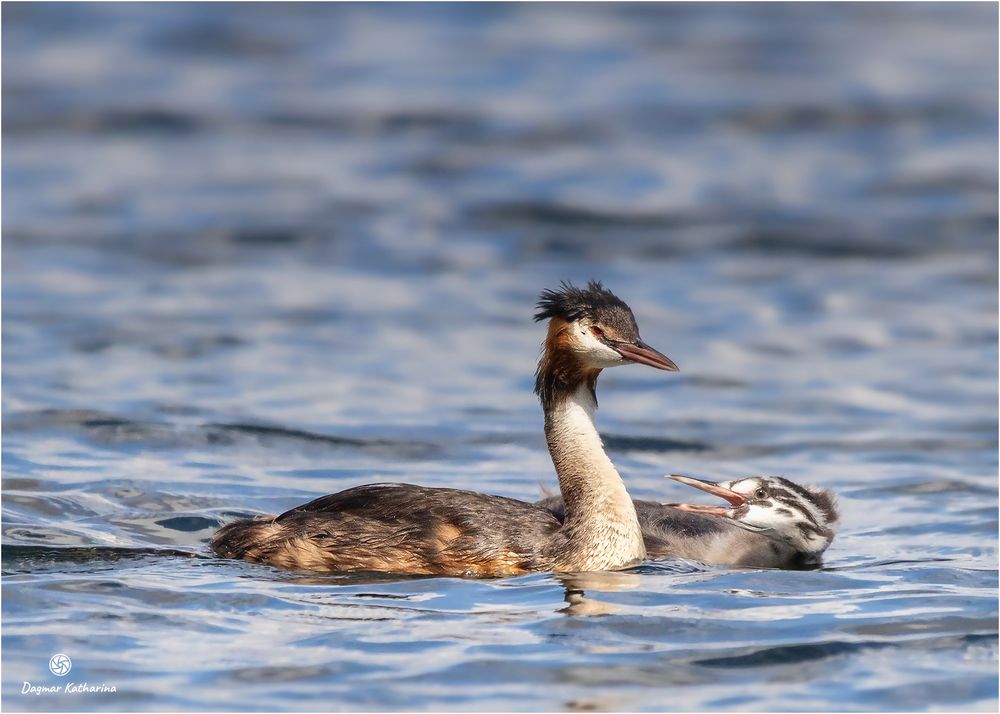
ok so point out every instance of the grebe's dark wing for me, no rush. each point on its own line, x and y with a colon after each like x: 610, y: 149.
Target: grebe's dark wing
x: 386, y: 496
x: 394, y: 501
x: 398, y: 528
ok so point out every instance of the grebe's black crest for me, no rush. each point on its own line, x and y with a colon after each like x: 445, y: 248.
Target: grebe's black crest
x: 590, y: 329
x: 595, y: 301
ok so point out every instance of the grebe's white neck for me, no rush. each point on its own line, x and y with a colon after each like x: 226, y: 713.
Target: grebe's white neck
x: 601, y: 526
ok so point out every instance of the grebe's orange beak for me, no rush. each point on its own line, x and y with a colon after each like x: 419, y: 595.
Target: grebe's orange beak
x: 735, y: 499
x: 641, y: 353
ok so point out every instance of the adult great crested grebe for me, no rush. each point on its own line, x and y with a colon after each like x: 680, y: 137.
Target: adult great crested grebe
x: 771, y: 522
x: 401, y: 528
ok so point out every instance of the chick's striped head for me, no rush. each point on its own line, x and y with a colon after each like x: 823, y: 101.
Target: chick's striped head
x: 801, y: 516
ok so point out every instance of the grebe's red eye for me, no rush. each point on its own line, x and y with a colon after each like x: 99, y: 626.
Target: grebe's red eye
x: 597, y: 331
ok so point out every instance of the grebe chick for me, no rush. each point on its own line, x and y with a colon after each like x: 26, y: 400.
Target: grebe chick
x: 401, y: 528
x: 771, y: 522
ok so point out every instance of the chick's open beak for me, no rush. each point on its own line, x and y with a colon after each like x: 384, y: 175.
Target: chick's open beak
x: 642, y: 353
x: 735, y: 499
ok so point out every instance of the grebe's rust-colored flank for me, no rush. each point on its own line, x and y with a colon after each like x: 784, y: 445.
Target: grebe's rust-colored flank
x: 401, y: 528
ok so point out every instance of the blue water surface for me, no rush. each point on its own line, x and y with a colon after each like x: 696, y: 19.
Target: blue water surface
x: 257, y: 253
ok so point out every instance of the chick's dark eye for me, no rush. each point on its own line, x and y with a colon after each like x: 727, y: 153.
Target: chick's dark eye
x: 760, y: 493
x: 598, y: 332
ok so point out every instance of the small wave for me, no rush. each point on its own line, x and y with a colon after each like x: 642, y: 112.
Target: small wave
x: 32, y: 558
x: 789, y: 654
x: 149, y: 120
x: 651, y: 443
x: 110, y: 429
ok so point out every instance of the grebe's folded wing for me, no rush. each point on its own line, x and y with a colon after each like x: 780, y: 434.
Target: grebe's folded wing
x: 388, y: 496
x: 404, y: 501
x: 399, y: 528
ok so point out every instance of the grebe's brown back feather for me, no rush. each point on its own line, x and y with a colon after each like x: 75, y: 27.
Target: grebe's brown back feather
x: 401, y: 528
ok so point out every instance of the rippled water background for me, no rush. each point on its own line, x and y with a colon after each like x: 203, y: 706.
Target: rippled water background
x: 254, y: 254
